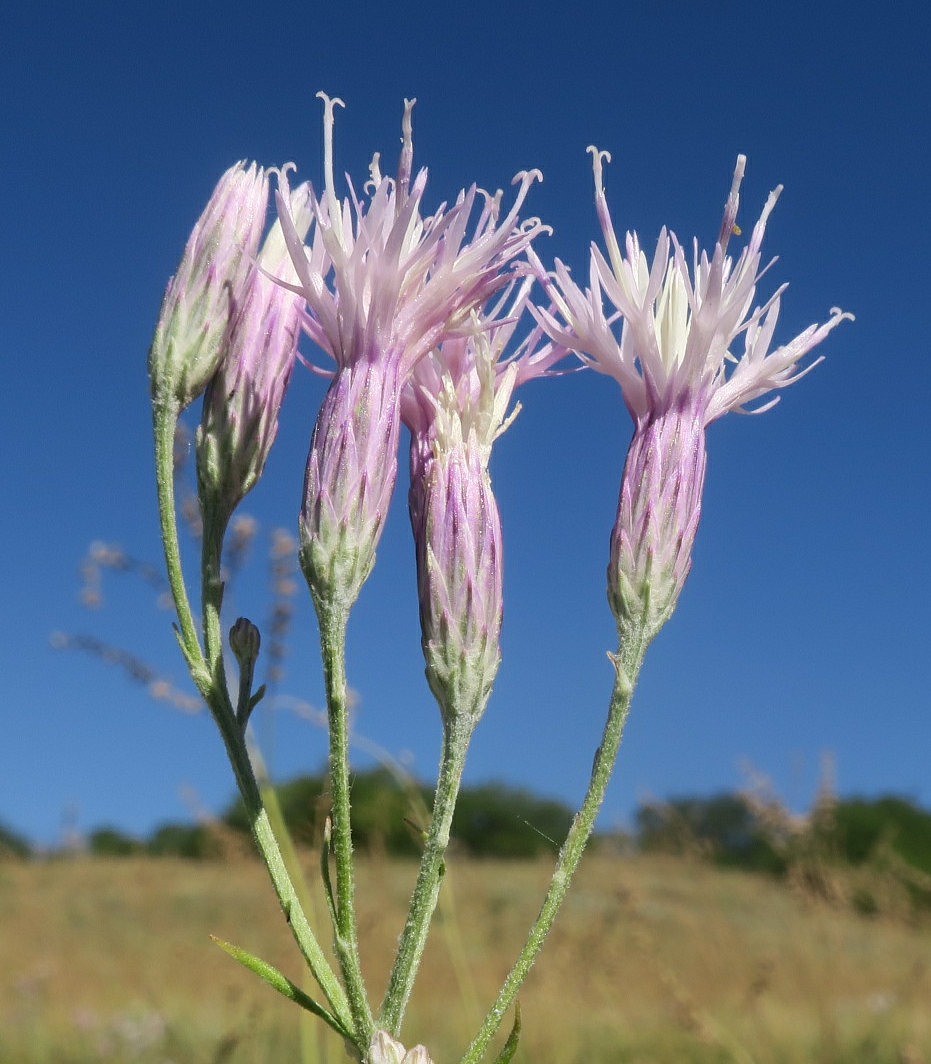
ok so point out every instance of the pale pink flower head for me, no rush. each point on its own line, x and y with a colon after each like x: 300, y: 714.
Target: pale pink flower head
x: 384, y: 285
x: 456, y: 405
x: 243, y: 399
x: 205, y: 292
x: 677, y: 372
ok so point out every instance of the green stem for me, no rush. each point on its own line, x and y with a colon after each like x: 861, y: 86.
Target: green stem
x: 278, y: 871
x: 233, y: 736
x: 214, y: 532
x: 333, y: 648
x: 165, y: 420
x: 456, y: 735
x: 627, y: 664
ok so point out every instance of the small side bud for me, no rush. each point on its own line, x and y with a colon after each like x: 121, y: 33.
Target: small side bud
x: 245, y: 641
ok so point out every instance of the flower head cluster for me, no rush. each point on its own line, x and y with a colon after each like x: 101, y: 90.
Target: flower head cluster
x: 384, y: 286
x: 205, y: 292
x: 456, y: 405
x: 677, y: 372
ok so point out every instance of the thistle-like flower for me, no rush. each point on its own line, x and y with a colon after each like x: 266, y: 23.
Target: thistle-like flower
x: 243, y: 398
x: 387, y: 1050
x: 205, y: 293
x: 401, y: 284
x: 677, y: 374
x: 456, y: 405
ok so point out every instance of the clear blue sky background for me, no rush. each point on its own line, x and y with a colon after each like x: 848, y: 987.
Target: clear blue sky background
x: 804, y: 625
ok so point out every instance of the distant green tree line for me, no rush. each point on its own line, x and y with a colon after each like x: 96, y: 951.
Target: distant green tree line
x: 11, y: 844
x: 888, y: 839
x: 732, y: 830
x: 495, y: 820
x: 492, y: 820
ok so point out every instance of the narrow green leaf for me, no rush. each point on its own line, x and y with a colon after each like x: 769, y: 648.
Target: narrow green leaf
x: 282, y: 984
x: 510, y: 1046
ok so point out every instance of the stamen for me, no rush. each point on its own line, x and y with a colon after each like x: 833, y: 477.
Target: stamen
x: 733, y: 202
x: 525, y: 178
x: 597, y: 158
x: 281, y: 171
x: 528, y: 177
x: 770, y: 203
x: 604, y: 215
x: 491, y: 209
x: 406, y: 162
x: 329, y: 103
x: 375, y: 177
x: 756, y: 237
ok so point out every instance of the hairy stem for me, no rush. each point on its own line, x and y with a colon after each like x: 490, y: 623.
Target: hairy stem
x: 277, y: 868
x: 627, y: 664
x: 333, y: 648
x: 456, y: 735
x: 165, y: 420
x: 214, y: 532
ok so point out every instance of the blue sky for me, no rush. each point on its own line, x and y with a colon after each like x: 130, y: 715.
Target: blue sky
x: 804, y: 623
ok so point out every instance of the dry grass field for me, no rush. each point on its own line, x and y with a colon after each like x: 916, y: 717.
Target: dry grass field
x: 653, y: 960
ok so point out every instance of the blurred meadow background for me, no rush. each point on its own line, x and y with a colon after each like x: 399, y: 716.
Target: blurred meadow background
x: 789, y: 925
x: 654, y: 958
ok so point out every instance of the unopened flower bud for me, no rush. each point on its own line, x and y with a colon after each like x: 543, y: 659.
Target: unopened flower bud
x: 243, y: 399
x: 456, y: 406
x: 204, y: 294
x: 245, y: 641
x: 459, y: 576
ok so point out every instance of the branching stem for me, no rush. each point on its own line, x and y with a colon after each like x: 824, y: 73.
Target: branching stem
x: 208, y: 675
